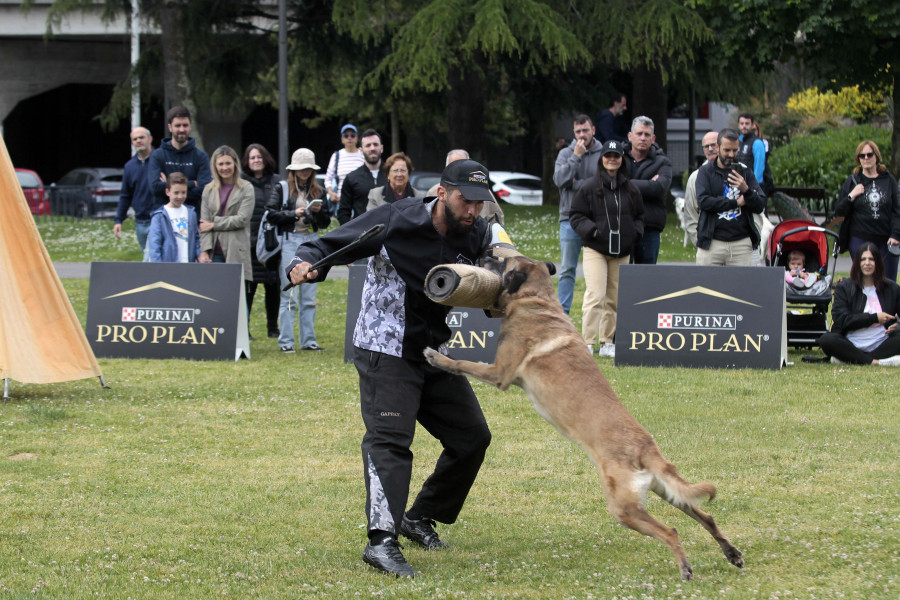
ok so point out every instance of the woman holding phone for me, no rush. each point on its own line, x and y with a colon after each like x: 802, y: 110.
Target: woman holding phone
x: 298, y: 213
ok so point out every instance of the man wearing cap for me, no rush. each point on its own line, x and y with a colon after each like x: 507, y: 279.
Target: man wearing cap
x: 396, y: 322
x: 342, y: 162
x: 492, y: 213
x: 575, y: 164
x: 358, y: 183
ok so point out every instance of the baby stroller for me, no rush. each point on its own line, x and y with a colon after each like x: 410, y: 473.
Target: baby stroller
x: 807, y: 315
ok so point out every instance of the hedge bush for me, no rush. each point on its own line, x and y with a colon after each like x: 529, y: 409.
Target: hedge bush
x: 825, y: 159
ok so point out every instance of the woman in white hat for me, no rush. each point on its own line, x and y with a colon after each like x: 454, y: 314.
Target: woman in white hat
x: 298, y: 213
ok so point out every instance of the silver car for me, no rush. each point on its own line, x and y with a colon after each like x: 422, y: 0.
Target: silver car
x: 87, y: 192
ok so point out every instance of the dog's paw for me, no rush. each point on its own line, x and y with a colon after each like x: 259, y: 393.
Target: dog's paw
x: 432, y: 356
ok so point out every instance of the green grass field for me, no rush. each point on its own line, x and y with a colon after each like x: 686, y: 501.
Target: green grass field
x: 244, y: 480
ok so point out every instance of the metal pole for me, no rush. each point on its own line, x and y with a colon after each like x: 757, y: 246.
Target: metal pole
x: 692, y: 130
x: 282, y: 87
x: 135, y: 57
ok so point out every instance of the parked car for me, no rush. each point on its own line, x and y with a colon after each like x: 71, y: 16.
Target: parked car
x: 517, y: 188
x: 421, y: 182
x: 33, y: 188
x: 87, y: 192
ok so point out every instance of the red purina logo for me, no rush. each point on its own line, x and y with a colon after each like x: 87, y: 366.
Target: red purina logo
x: 664, y: 321
x: 128, y: 314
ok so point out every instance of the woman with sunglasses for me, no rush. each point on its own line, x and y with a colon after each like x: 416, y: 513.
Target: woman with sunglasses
x: 864, y: 329
x: 869, y: 201
x: 608, y: 214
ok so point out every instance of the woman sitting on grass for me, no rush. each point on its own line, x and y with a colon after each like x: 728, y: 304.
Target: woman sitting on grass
x: 864, y: 329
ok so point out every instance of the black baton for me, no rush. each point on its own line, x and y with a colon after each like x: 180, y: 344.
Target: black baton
x: 332, y: 258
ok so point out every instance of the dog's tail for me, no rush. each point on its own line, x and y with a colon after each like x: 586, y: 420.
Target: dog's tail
x: 670, y: 486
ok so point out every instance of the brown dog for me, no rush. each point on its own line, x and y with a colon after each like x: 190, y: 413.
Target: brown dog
x: 540, y: 351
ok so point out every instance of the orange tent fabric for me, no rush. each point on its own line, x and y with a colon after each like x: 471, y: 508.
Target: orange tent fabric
x: 41, y: 340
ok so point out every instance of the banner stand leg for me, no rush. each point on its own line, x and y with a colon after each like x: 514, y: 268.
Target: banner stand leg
x: 6, y: 389
x: 103, y: 383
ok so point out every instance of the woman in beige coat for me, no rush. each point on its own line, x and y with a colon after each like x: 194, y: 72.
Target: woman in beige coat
x: 225, y: 211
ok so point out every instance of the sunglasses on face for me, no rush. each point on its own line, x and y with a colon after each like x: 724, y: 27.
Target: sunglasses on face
x: 349, y: 134
x: 866, y: 155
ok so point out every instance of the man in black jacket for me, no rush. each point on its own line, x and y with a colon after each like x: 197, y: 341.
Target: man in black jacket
x: 180, y: 154
x: 651, y: 173
x: 358, y: 184
x: 396, y: 323
x: 727, y: 195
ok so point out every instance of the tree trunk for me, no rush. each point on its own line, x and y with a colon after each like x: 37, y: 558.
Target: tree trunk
x: 549, y: 154
x: 176, y: 80
x: 466, y: 111
x: 650, y: 100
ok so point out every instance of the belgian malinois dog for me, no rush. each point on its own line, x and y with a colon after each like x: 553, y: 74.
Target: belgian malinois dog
x: 540, y: 351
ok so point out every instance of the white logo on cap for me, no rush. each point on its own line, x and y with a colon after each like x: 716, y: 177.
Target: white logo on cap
x: 612, y: 146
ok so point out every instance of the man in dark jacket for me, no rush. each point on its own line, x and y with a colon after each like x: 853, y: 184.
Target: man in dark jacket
x: 609, y: 122
x: 136, y: 192
x: 396, y: 323
x: 651, y: 173
x: 728, y: 196
x: 180, y: 154
x: 358, y: 183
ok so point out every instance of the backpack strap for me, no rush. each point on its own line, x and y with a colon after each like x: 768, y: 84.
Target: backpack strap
x: 284, y: 194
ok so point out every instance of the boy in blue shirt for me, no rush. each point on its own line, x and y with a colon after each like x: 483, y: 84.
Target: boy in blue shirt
x: 174, y: 236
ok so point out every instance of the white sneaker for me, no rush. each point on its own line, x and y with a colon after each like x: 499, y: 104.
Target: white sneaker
x: 835, y: 361
x: 590, y: 349
x: 892, y: 361
x: 607, y: 350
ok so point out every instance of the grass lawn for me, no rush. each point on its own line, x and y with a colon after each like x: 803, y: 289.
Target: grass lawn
x: 244, y: 480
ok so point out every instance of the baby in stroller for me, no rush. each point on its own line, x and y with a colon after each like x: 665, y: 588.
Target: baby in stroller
x: 799, y: 280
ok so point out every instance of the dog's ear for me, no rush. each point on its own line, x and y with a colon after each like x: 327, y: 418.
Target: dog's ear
x: 551, y: 267
x: 513, y: 280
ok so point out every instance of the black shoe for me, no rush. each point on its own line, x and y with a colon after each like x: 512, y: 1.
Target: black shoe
x: 273, y: 334
x: 252, y: 339
x: 422, y: 532
x: 313, y: 346
x: 387, y: 557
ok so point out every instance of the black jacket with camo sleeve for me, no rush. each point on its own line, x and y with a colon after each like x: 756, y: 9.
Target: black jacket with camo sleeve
x: 396, y: 317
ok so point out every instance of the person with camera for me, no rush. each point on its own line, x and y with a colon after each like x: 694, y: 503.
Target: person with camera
x: 298, y: 213
x: 728, y: 196
x: 608, y: 214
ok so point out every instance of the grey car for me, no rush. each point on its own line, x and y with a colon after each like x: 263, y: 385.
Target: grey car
x: 87, y: 192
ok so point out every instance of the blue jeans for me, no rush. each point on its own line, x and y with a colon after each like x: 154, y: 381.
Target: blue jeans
x: 141, y: 230
x: 570, y: 248
x: 301, y: 298
x: 647, y: 251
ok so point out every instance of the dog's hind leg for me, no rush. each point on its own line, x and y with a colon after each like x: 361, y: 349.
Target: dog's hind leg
x: 733, y: 555
x: 625, y: 494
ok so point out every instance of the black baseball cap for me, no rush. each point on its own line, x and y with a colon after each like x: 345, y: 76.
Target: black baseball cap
x: 471, y: 178
x: 613, y: 147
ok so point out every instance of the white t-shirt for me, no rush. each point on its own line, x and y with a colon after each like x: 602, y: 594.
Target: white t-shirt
x: 869, y: 338
x: 347, y: 162
x: 178, y: 217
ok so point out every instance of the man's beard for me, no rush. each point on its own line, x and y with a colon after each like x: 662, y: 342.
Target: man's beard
x: 455, y: 226
x: 373, y: 160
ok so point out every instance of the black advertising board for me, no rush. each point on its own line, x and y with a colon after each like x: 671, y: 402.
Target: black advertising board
x: 167, y: 310
x: 692, y: 316
x: 473, y: 335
